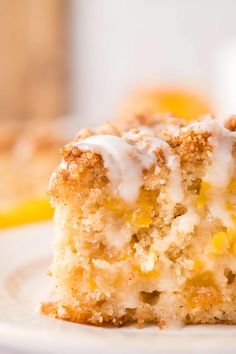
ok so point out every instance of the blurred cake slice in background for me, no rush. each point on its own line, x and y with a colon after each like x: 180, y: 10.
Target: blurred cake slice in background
x: 28, y: 154
x: 145, y: 226
x: 177, y: 102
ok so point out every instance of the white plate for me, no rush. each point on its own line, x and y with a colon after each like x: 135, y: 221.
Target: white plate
x: 24, y: 259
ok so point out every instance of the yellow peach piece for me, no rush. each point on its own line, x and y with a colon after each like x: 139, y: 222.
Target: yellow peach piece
x: 232, y: 186
x: 220, y: 243
x: 142, y: 218
x: 202, y: 196
x: 92, y: 284
x: 116, y: 205
x: 198, y: 264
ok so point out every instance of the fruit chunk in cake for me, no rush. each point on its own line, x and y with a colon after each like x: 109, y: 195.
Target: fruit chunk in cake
x: 145, y: 226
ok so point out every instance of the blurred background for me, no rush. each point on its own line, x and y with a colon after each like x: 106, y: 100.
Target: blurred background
x: 66, y: 64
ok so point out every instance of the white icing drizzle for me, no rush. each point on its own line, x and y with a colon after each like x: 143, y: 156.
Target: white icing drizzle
x: 175, y: 189
x: 185, y: 223
x: 123, y: 162
x: 218, y: 210
x: 63, y: 165
x: 221, y: 169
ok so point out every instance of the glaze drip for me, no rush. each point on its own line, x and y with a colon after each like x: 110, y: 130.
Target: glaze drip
x: 122, y: 161
x: 125, y: 163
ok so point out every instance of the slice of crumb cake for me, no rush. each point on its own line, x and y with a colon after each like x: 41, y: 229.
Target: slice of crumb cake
x: 145, y: 226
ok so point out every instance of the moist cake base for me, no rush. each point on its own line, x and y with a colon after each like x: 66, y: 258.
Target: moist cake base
x: 168, y: 254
